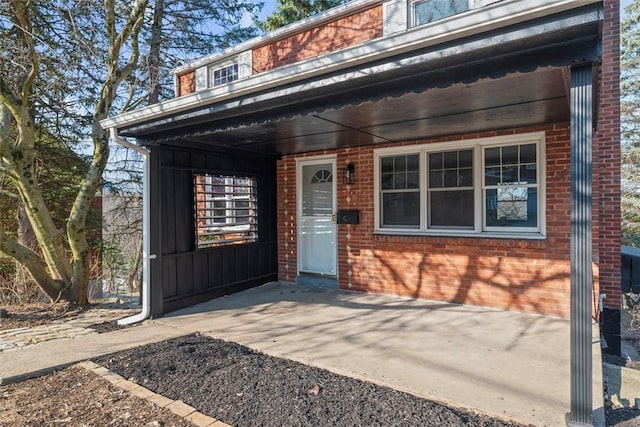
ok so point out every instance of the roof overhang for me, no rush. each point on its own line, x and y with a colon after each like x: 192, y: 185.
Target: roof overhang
x: 502, y: 78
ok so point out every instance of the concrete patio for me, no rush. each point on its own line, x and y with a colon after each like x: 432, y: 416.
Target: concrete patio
x: 502, y: 363
x: 505, y: 364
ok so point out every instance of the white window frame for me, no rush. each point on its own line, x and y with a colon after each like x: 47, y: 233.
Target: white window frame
x: 472, y: 4
x: 412, y: 16
x: 478, y: 146
x: 430, y: 191
x: 404, y: 190
x: 211, y: 69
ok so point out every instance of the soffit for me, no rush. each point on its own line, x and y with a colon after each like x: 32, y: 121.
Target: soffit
x: 492, y: 82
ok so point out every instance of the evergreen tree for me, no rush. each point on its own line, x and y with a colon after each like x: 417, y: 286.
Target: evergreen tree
x: 288, y: 11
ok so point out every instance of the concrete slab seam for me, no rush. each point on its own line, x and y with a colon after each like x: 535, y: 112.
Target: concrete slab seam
x: 178, y: 407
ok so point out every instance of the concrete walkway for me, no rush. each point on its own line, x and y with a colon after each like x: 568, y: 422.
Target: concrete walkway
x: 507, y: 364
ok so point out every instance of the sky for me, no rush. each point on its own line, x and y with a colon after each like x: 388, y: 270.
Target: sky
x: 269, y: 6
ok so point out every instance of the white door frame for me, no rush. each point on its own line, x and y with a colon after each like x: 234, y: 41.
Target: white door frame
x: 315, y: 160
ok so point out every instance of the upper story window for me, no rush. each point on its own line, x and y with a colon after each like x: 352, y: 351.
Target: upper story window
x: 222, y: 75
x: 485, y: 186
x: 226, y: 210
x: 400, y: 15
x: 425, y: 11
x: 217, y: 74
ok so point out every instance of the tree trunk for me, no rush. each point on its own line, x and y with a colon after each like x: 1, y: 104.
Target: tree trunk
x: 33, y: 263
x: 50, y: 239
x: 23, y: 282
x: 154, y: 52
x: 26, y: 236
x: 53, y: 275
x: 76, y: 225
x: 133, y: 278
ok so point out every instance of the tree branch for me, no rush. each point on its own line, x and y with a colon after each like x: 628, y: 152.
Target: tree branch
x: 36, y: 267
x: 9, y: 194
x: 23, y: 18
x: 8, y: 98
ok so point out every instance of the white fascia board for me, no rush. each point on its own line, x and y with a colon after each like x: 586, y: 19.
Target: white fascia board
x: 476, y: 21
x: 329, y: 15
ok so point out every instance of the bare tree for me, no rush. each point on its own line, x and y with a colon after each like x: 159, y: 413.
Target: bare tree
x: 61, y: 266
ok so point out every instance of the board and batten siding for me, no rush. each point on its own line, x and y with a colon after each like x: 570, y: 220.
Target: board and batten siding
x: 181, y: 274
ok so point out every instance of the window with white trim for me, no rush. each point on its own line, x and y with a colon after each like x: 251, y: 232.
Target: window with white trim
x: 450, y: 189
x: 426, y: 11
x: 221, y: 75
x: 226, y: 210
x: 511, y: 186
x: 400, y: 193
x: 484, y: 186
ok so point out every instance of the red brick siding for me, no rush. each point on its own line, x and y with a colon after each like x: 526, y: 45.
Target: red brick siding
x: 606, y: 158
x: 344, y: 32
x: 522, y: 275
x: 287, y: 231
x: 201, y: 199
x: 187, y: 83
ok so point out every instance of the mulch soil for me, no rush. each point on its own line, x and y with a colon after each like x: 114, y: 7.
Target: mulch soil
x: 243, y: 387
x: 75, y: 397
x: 103, y: 327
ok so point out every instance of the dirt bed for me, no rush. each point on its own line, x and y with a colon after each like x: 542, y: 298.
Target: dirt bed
x: 37, y: 313
x: 242, y: 387
x: 75, y: 397
x: 41, y: 313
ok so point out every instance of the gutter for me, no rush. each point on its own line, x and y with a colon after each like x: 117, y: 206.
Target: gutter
x: 146, y: 240
x: 501, y: 14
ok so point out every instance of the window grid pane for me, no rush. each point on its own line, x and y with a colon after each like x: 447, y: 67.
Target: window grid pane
x: 401, y: 209
x: 515, y: 164
x: 512, y: 206
x: 220, y: 76
x: 451, y: 209
x: 400, y: 172
x: 510, y: 186
x: 450, y: 201
x: 451, y: 169
x: 399, y: 180
x: 226, y: 210
x: 432, y: 10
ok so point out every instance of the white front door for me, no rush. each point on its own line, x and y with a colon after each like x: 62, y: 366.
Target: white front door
x: 316, y: 208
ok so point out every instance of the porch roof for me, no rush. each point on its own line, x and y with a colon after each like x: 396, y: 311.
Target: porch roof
x: 503, y: 78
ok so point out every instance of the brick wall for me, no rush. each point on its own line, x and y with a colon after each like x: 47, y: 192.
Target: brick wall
x: 522, y: 275
x: 606, y: 159
x: 201, y: 199
x: 187, y: 83
x: 287, y: 231
x: 344, y: 32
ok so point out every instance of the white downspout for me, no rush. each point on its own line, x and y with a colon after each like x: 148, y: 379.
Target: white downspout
x: 146, y: 243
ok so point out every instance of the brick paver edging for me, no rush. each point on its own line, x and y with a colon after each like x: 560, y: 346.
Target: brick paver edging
x: 178, y: 407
